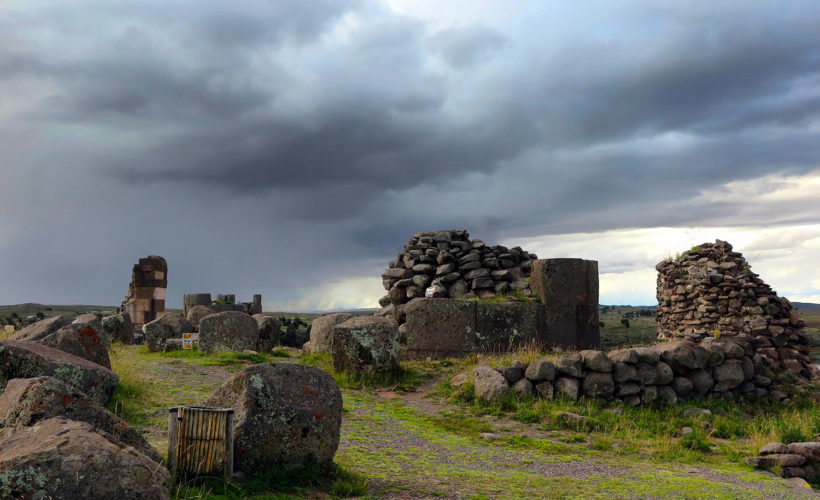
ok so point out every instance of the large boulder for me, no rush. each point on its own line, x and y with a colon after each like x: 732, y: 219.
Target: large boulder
x: 28, y: 401
x: 228, y: 331
x: 118, y: 328
x: 178, y: 323
x: 82, y: 340
x: 29, y: 359
x: 41, y: 329
x: 156, y: 334
x: 366, y: 344
x: 196, y: 313
x: 269, y: 330
x: 321, y: 332
x: 285, y: 414
x: 61, y: 458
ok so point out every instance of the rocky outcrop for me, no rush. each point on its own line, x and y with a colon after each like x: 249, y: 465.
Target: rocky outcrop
x: 710, y: 291
x: 321, y: 332
x: 82, y: 340
x: 66, y: 459
x: 29, y: 359
x: 449, y: 264
x: 285, y: 414
x: 366, y: 344
x: 25, y: 402
x: 667, y: 372
x: 228, y: 331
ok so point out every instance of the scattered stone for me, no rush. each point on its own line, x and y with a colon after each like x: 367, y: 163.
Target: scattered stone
x: 570, y: 418
x: 28, y: 359
x: 118, y: 328
x: 41, y: 329
x: 25, y: 402
x: 62, y: 458
x: 686, y: 430
x: 228, y: 331
x: 321, y: 332
x: 269, y: 330
x: 366, y: 344
x: 285, y: 414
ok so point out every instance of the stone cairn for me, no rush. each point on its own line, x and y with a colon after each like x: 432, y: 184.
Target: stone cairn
x: 449, y: 264
x: 145, y: 300
x: 710, y: 291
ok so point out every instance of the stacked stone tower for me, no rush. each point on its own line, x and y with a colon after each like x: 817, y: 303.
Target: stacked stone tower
x: 711, y: 291
x: 145, y: 300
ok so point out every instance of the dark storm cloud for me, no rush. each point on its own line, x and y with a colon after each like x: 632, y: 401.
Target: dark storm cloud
x: 308, y: 128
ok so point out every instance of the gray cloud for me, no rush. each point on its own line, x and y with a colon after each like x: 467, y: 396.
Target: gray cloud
x: 276, y: 145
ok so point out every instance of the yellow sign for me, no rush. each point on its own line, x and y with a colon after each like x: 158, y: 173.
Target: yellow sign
x: 187, y: 341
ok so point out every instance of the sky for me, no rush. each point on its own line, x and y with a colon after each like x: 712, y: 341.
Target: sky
x: 291, y: 148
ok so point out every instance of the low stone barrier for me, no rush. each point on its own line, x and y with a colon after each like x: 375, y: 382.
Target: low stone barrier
x: 791, y: 460
x: 665, y: 372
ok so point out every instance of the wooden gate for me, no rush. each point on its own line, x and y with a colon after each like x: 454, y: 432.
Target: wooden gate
x: 200, y: 441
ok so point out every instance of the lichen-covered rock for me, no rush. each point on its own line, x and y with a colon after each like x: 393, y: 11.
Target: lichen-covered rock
x: 25, y: 402
x: 525, y: 388
x: 196, y: 313
x: 228, y: 331
x: 61, y: 458
x: 539, y: 370
x: 82, y: 340
x: 29, y: 359
x: 41, y: 329
x: 366, y: 344
x: 544, y: 390
x: 321, y: 332
x: 488, y: 383
x: 623, y: 356
x: 624, y: 372
x: 269, y: 330
x: 702, y: 381
x: 683, y: 355
x: 285, y: 414
x: 118, y: 328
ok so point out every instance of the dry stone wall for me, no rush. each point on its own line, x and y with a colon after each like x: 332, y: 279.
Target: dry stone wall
x: 456, y: 266
x: 711, y: 291
x: 666, y: 373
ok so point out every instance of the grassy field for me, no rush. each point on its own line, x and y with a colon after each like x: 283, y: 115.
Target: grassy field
x: 415, y: 436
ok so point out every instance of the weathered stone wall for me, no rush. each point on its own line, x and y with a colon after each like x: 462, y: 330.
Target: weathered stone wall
x: 145, y: 300
x: 667, y: 372
x: 711, y: 291
x: 190, y: 300
x: 457, y: 266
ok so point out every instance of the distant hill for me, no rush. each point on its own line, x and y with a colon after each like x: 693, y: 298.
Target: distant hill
x: 806, y: 306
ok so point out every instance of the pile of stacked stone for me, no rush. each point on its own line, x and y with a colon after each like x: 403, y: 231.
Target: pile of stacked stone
x: 455, y: 266
x: 792, y: 460
x: 666, y: 372
x: 711, y: 291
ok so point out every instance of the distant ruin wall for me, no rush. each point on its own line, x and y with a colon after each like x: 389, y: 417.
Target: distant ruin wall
x: 145, y: 300
x: 222, y: 303
x: 711, y: 291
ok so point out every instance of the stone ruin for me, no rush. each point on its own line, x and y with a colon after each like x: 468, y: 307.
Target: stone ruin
x: 455, y: 266
x: 710, y: 291
x: 145, y: 301
x: 221, y: 303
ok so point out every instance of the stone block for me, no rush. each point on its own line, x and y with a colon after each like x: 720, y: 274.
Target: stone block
x: 505, y: 326
x: 440, y: 327
x: 568, y: 282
